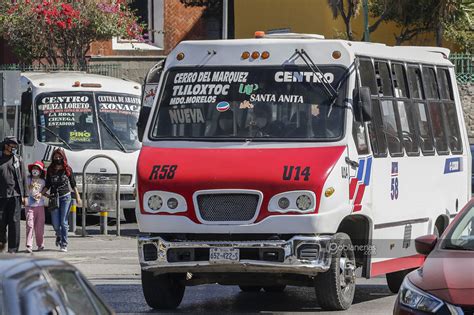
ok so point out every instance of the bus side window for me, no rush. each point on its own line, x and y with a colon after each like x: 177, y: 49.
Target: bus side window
x: 435, y: 107
x: 414, y: 82
x: 377, y: 138
x: 390, y: 128
x: 399, y: 80
x: 367, y: 75
x: 445, y: 87
x: 438, y: 123
x: 424, y: 128
x: 446, y: 94
x: 455, y: 141
x: 407, y: 124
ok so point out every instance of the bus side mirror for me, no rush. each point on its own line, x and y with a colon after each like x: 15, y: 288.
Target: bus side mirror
x: 142, y: 120
x: 363, y: 101
x: 26, y: 102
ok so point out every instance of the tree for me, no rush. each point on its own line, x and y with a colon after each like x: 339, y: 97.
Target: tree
x: 61, y: 31
x: 446, y: 18
x: 347, y: 9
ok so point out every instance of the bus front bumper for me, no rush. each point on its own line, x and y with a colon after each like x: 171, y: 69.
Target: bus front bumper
x: 307, y: 255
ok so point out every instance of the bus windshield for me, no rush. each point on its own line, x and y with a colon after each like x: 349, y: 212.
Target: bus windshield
x: 250, y: 103
x: 69, y: 119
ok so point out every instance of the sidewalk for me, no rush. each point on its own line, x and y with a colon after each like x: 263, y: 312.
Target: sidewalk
x: 99, y: 257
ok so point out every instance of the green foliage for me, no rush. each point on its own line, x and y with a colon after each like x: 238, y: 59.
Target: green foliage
x: 347, y: 9
x: 449, y: 18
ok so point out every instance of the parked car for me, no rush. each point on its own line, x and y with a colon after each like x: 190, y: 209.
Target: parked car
x: 45, y: 286
x: 445, y: 282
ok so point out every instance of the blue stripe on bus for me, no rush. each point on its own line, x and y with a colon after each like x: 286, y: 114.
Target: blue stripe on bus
x: 367, y: 172
x: 361, y: 170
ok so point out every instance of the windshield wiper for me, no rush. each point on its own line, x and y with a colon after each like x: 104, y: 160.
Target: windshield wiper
x: 57, y: 136
x: 109, y: 130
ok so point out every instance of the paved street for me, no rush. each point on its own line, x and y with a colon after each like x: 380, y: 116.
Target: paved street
x: 111, y: 264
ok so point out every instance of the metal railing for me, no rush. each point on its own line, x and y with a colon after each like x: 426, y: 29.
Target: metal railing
x: 111, y: 70
x: 464, y: 67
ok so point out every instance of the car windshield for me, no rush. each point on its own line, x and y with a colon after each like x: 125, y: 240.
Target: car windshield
x: 69, y: 119
x: 461, y: 235
x: 250, y: 103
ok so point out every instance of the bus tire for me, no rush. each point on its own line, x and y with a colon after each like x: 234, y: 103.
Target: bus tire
x: 129, y: 215
x: 275, y: 288
x: 395, y: 279
x: 249, y: 288
x: 335, y: 288
x: 164, y: 291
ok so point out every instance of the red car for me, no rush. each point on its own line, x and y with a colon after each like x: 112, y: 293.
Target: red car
x: 445, y: 282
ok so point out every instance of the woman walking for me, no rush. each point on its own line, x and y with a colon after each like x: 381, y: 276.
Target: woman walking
x: 35, y: 206
x: 60, y: 180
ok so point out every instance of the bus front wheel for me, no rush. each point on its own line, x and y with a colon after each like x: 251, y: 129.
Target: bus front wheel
x: 164, y: 291
x: 335, y: 288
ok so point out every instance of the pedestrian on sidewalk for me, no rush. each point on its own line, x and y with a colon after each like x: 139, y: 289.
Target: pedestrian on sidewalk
x: 59, y: 181
x: 35, y: 206
x: 12, y: 194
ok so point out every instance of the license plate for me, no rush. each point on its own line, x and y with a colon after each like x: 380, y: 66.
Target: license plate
x: 223, y: 255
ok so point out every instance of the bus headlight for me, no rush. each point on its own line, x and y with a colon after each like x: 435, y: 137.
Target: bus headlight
x: 157, y: 201
x: 283, y: 203
x: 303, y: 201
x: 172, y: 203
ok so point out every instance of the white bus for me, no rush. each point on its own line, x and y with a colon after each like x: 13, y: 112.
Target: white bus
x: 86, y: 115
x: 295, y: 160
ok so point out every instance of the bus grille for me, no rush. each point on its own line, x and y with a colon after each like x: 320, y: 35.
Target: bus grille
x: 227, y: 207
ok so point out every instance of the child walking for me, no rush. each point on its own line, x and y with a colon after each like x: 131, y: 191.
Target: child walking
x: 35, y: 207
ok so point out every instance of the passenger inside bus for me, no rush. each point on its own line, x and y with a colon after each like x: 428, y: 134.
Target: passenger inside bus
x: 261, y: 124
x: 225, y: 125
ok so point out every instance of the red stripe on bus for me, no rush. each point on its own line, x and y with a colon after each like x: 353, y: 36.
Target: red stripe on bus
x: 360, y: 194
x: 397, y: 264
x: 352, y: 188
x: 357, y: 208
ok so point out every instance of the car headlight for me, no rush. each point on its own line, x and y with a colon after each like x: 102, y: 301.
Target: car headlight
x: 415, y: 298
x: 303, y: 201
x: 172, y: 203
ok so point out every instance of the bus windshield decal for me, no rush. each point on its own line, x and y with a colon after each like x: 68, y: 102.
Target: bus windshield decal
x: 287, y: 102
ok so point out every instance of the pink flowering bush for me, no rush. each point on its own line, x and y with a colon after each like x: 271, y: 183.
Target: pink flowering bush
x: 61, y: 31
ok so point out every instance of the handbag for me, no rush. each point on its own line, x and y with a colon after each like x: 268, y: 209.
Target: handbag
x: 53, y: 202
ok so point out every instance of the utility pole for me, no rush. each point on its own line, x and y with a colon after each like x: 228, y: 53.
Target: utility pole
x: 365, y: 5
x: 225, y: 18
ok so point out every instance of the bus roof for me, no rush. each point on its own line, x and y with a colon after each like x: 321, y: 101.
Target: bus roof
x: 228, y: 52
x: 64, y: 80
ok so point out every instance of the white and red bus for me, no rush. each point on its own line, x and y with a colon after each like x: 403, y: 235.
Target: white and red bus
x: 295, y: 160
